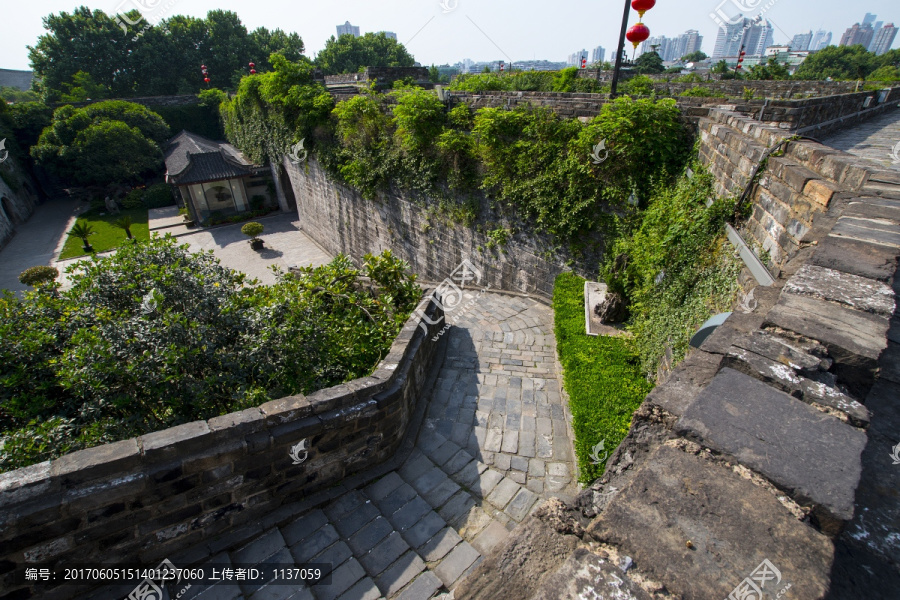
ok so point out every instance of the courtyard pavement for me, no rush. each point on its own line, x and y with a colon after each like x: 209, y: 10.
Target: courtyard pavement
x: 492, y: 444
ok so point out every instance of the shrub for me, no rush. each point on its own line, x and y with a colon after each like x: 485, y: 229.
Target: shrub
x: 257, y: 202
x: 82, y: 230
x: 158, y: 196
x: 702, y: 92
x: 252, y: 230
x: 134, y: 199
x: 154, y: 336
x: 38, y: 276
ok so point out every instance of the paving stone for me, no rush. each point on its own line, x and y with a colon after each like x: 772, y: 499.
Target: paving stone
x: 438, y: 546
x: 536, y: 468
x: 429, y: 480
x: 259, y: 549
x: 335, y: 555
x: 676, y: 497
x: 343, y: 505
x: 544, y: 445
x: 424, y: 586
x: 366, y: 538
x: 490, y: 537
x: 520, y: 505
x: 445, y: 453
x: 536, y: 486
x: 267, y: 567
x: 440, y: 494
x: 461, y: 431
x: 354, y: 521
x: 782, y: 438
x: 342, y: 579
x: 570, y: 580
x: 304, y: 550
x: 468, y: 475
x: 503, y: 462
x: 400, y: 573
x: 429, y: 442
x: 397, y: 499
x: 275, y: 592
x: 365, y: 589
x: 503, y: 493
x: 415, y: 468
x: 457, y: 506
x: 410, y: 514
x: 527, y: 441
x: 456, y: 563
x: 424, y: 530
x: 459, y: 460
x: 510, y: 441
x: 486, y: 483
x: 221, y: 592
x: 303, y: 527
x: 384, y: 486
x: 384, y: 554
x: 856, y: 257
x: 471, y: 524
x: 557, y: 469
x: 494, y: 439
x: 518, y: 477
x: 860, y: 293
x: 519, y: 463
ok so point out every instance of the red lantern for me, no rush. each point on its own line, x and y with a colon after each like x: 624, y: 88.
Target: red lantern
x: 206, y: 79
x: 642, y: 6
x: 637, y: 34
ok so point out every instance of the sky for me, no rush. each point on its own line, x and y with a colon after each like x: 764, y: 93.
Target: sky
x: 448, y: 31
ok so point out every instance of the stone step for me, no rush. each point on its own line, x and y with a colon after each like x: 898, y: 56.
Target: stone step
x: 701, y: 529
x: 812, y: 456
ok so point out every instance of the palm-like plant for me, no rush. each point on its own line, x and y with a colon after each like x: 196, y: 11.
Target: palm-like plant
x: 125, y: 223
x: 83, y: 230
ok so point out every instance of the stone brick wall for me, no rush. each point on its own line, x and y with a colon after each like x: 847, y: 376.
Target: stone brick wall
x: 385, y: 76
x: 341, y: 220
x: 790, y: 193
x: 18, y: 198
x: 140, y: 500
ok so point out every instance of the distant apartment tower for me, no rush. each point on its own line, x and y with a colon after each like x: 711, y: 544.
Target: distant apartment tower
x: 730, y: 38
x: 661, y: 43
x: 348, y: 29
x: 598, y: 55
x: 884, y: 39
x: 753, y: 35
x: 858, y: 34
x: 575, y: 58
x: 869, y: 19
x: 821, y: 39
x: 389, y: 34
x: 802, y: 42
x: 687, y: 43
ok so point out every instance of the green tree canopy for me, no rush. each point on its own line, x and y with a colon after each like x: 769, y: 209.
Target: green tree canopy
x: 838, y: 62
x: 771, y: 70
x: 84, y: 54
x: 694, y: 56
x: 348, y: 53
x: 103, y: 143
x: 649, y: 62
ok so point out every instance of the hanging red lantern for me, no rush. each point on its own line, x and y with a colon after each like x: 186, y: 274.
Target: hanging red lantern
x: 253, y: 68
x: 206, y: 79
x: 642, y: 6
x: 637, y: 34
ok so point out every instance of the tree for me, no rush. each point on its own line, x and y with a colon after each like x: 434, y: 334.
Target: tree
x: 14, y: 94
x: 83, y: 88
x: 885, y: 73
x: 697, y: 56
x: 125, y: 222
x: 649, y: 62
x: 104, y: 143
x: 348, y: 53
x: 771, y: 70
x: 838, y: 62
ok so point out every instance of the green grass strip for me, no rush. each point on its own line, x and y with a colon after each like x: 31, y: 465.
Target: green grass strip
x: 602, y: 376
x: 106, y: 235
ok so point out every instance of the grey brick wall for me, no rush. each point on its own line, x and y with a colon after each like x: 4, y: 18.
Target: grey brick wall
x: 139, y: 500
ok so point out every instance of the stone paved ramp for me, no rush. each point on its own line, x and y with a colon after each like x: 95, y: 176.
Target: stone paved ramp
x: 873, y: 140
x: 493, y: 442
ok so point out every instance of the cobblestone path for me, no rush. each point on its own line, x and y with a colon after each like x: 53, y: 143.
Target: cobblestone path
x: 875, y: 139
x: 493, y: 442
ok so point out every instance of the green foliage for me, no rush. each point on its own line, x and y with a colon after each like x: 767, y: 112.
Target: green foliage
x: 86, y: 54
x: 748, y: 94
x: 699, y: 91
x: 838, y: 62
x: 349, y: 54
x: 133, y: 199
x: 887, y: 73
x: 601, y: 375
x: 106, y: 235
x: 648, y: 63
x: 158, y: 195
x: 82, y: 231
x: 103, y: 143
x: 671, y: 264
x: 771, y: 70
x: 28, y: 120
x: 638, y: 86
x: 14, y: 94
x: 124, y: 223
x: 252, y: 230
x: 154, y: 336
x: 566, y: 80
x: 689, y: 78
x: 38, y: 276
x: 697, y: 56
x: 202, y: 119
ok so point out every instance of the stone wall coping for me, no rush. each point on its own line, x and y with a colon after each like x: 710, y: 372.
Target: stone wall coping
x: 146, y: 452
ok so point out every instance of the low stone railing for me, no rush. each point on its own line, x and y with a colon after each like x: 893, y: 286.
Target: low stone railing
x: 140, y: 500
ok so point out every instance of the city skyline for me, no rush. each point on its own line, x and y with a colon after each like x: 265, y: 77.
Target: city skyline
x: 482, y: 32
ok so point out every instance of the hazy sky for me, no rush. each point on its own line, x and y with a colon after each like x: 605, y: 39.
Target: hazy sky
x: 485, y: 30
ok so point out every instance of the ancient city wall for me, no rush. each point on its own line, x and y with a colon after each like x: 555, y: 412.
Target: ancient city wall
x: 140, y: 500
x: 18, y: 198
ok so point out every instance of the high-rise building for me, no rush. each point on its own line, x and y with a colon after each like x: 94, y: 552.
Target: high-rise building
x: 389, y: 34
x: 801, y: 42
x: 730, y: 38
x: 884, y: 39
x: 754, y: 35
x: 820, y: 40
x: 347, y: 29
x: 688, y: 42
x: 858, y: 34
x: 758, y: 38
x: 575, y: 58
x: 598, y: 55
x: 869, y: 19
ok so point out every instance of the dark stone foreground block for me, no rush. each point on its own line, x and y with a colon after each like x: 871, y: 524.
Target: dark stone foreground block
x: 732, y: 524
x: 856, y: 257
x: 860, y: 293
x: 813, y: 456
x: 587, y: 575
x: 854, y: 339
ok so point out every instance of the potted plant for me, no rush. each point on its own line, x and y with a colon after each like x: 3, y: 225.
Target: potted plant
x: 253, y: 230
x: 83, y: 230
x: 125, y: 223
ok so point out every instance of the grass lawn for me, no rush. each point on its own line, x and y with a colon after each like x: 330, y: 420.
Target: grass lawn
x: 602, y: 376
x: 106, y: 235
